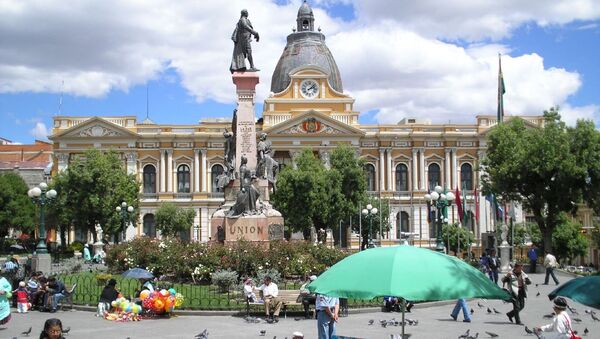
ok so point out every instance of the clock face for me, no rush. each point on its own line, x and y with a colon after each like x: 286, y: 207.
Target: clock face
x: 309, y: 89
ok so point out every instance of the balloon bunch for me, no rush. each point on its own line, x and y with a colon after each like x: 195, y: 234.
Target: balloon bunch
x: 124, y: 311
x: 163, y: 301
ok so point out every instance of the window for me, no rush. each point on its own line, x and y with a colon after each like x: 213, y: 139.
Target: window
x: 434, y: 175
x: 466, y: 177
x: 402, y: 224
x: 401, y: 177
x: 149, y: 225
x: 149, y: 179
x: 215, y: 171
x: 183, y: 179
x: 370, y: 174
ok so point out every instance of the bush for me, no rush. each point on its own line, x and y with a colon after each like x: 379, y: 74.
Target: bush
x: 75, y: 246
x: 271, y: 272
x: 224, y: 279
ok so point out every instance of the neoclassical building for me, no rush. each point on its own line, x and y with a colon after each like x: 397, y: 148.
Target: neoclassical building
x: 307, y: 108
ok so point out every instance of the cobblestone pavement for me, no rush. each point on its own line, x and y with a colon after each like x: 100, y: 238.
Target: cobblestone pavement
x: 434, y: 322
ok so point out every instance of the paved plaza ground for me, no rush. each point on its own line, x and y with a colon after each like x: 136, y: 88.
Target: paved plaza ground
x: 434, y: 322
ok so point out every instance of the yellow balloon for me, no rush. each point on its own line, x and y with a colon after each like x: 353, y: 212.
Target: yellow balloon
x: 144, y: 294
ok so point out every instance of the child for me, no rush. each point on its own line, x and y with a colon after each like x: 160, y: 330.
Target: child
x: 248, y: 290
x: 22, y: 298
x: 52, y: 329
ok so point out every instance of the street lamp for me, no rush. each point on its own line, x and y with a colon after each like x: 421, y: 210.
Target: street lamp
x: 439, y: 200
x: 40, y: 195
x: 124, y: 209
x: 370, y: 213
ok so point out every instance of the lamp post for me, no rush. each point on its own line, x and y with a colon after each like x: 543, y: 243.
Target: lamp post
x: 370, y: 212
x: 124, y: 209
x: 40, y: 195
x: 439, y: 200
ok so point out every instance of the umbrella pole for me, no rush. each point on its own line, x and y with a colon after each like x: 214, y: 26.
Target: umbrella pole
x: 403, y: 309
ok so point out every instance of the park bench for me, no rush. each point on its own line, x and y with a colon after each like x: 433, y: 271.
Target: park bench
x: 287, y: 297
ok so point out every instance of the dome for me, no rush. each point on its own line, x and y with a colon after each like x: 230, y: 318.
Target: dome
x: 305, y: 47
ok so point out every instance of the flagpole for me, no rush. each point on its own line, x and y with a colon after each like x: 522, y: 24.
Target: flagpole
x: 501, y: 91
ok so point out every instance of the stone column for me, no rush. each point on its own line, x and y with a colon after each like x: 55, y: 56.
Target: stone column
x: 131, y: 162
x: 382, y: 169
x: 163, y: 171
x: 169, y: 170
x: 447, y: 180
x: 422, y: 169
x: 454, y: 171
x: 63, y: 161
x: 414, y: 174
x: 245, y: 140
x: 390, y: 182
x: 196, y: 170
x: 204, y: 171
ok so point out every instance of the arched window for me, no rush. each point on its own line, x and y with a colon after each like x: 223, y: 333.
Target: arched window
x: 401, y: 178
x: 149, y: 179
x: 149, y: 225
x: 466, y: 176
x: 434, y: 175
x: 402, y: 224
x: 370, y: 174
x: 183, y: 179
x: 215, y: 171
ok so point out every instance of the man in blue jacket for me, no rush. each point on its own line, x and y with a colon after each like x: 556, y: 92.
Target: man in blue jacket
x: 532, y: 255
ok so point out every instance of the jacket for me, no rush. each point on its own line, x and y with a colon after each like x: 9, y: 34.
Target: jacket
x: 513, y: 283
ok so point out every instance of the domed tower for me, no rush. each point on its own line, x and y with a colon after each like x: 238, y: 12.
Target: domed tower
x: 305, y: 47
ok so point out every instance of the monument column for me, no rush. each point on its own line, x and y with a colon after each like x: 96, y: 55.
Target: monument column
x: 245, y: 129
x: 196, y: 171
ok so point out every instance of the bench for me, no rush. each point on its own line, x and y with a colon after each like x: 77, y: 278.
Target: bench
x: 287, y: 297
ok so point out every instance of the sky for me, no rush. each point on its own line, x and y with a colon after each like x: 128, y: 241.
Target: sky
x: 170, y: 59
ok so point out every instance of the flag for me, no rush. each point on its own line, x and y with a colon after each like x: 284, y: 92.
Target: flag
x: 476, y: 205
x: 429, y: 218
x: 501, y: 91
x: 459, y: 205
x: 464, y: 205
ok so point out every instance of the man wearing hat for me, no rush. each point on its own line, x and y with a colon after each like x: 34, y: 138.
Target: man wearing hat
x: 517, y: 282
x: 561, y: 323
x: 307, y: 297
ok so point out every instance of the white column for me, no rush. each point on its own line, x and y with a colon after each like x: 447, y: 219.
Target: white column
x: 447, y: 180
x: 381, y: 169
x: 204, y: 170
x: 170, y: 170
x: 204, y: 224
x: 414, y: 174
x: 389, y: 169
x: 422, y: 169
x: 454, y: 171
x: 196, y: 171
x: 163, y: 172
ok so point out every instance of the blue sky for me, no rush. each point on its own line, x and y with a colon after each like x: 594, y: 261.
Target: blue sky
x: 443, y: 71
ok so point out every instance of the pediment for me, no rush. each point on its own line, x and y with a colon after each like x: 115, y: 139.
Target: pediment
x: 313, y: 123
x: 96, y: 127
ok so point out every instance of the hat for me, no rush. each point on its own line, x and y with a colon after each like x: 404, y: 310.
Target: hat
x: 112, y: 282
x: 298, y: 334
x: 22, y: 284
x: 312, y: 277
x: 86, y: 245
x: 560, y: 303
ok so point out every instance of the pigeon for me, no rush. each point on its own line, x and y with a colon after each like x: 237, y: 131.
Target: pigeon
x: 26, y: 333
x: 263, y: 332
x: 538, y: 294
x: 548, y: 316
x: 371, y: 322
x: 577, y: 320
x: 594, y: 317
x: 574, y: 311
x: 586, y: 331
x: 202, y: 335
x: 384, y: 324
x: 297, y: 319
x: 491, y: 334
x: 496, y: 311
x: 465, y: 335
x: 472, y: 311
x: 66, y: 330
x: 590, y: 312
x: 528, y: 331
x: 489, y: 311
x: 274, y: 337
x: 536, y: 285
x: 475, y: 337
x: 479, y: 304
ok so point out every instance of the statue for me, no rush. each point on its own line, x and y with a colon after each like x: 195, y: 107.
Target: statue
x: 242, y: 36
x: 266, y: 166
x: 504, y: 234
x: 245, y: 202
x: 229, y: 155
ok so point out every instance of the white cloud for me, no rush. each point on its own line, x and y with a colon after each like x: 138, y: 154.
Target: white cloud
x: 40, y: 131
x: 389, y: 58
x: 570, y: 114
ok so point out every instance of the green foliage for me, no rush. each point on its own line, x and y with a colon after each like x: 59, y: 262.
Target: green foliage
x: 271, y: 272
x: 16, y: 209
x: 547, y: 169
x: 75, y: 246
x: 171, y: 219
x: 452, y: 234
x: 567, y: 240
x: 91, y: 188
x: 224, y: 279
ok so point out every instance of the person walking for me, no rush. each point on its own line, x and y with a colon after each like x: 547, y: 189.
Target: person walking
x: 550, y: 263
x: 461, y: 304
x: 561, y: 323
x: 533, y: 257
x: 493, y: 265
x: 327, y: 315
x: 517, y: 282
x: 269, y: 292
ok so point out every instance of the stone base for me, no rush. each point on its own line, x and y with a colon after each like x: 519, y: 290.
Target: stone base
x: 252, y: 228
x: 504, y: 258
x: 42, y: 262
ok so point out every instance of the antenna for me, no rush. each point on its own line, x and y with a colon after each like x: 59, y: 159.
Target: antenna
x: 60, y: 101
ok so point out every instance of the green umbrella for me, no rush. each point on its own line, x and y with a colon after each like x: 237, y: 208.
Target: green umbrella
x: 583, y: 290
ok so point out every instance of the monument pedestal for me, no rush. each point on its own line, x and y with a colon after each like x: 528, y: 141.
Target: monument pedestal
x: 42, y: 262
x: 245, y: 129
x: 504, y: 257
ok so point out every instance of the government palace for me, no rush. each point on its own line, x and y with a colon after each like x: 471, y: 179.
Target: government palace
x: 307, y: 108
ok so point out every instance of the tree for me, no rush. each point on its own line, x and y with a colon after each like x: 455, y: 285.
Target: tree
x: 91, y: 188
x: 549, y: 169
x: 568, y: 242
x: 171, y: 219
x: 16, y: 209
x: 455, y: 236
